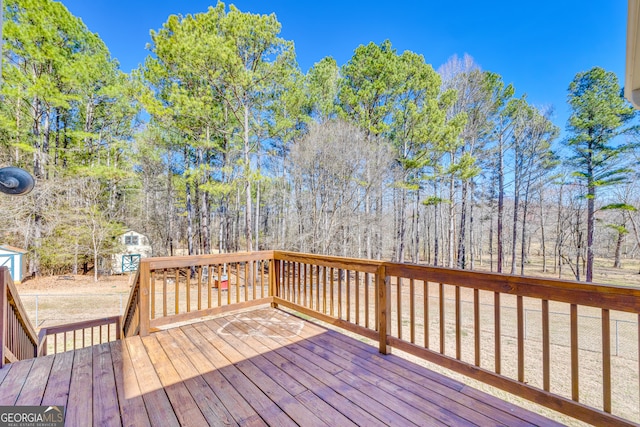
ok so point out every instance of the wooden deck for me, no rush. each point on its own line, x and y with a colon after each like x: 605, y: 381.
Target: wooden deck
x: 263, y: 367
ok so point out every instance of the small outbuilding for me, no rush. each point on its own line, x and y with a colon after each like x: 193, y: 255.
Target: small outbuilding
x: 136, y: 246
x: 15, y: 259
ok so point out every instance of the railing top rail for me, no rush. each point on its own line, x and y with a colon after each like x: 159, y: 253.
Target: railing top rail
x: 357, y: 264
x: 132, y: 292
x: 589, y: 294
x: 158, y: 263
x: 14, y: 299
x: 68, y: 327
x: 596, y: 295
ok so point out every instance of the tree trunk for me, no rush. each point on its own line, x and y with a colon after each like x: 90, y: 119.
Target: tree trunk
x: 591, y: 197
x: 452, y: 224
x: 378, y: 234
x: 402, y: 221
x: 170, y: 207
x: 95, y: 265
x: 471, y: 225
x: 514, y: 234
x: 369, y: 227
x: 523, y: 235
x: 416, y: 217
x: 436, y: 241
x: 557, y: 253
x: 257, y: 233
x: 189, y: 205
x: 247, y: 176
x: 635, y: 229
x: 499, y: 229
x: 617, y: 262
x: 543, y: 245
x: 491, y: 242
x: 463, y: 226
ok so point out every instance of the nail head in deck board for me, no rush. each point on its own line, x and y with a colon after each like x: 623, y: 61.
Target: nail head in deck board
x: 80, y: 404
x: 183, y: 404
x: 14, y: 381
x: 155, y: 399
x: 106, y: 411
x: 132, y: 409
x: 34, y: 386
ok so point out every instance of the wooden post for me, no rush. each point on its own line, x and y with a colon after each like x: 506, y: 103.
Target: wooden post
x: 118, y: 328
x: 383, y: 287
x: 274, y: 279
x: 143, y: 298
x: 4, y: 302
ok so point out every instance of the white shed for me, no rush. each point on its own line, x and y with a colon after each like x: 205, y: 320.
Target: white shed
x: 136, y: 246
x: 15, y: 259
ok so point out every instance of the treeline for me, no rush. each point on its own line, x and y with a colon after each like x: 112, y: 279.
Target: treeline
x: 238, y: 149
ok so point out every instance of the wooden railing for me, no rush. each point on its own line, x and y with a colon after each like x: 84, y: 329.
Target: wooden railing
x: 572, y: 347
x: 340, y: 291
x: 72, y: 336
x: 18, y: 339
x: 477, y: 324
x: 175, y: 289
x: 131, y: 316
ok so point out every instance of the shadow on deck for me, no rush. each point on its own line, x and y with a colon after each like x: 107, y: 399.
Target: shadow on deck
x: 260, y: 367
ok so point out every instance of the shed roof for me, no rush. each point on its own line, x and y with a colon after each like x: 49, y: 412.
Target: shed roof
x: 13, y: 249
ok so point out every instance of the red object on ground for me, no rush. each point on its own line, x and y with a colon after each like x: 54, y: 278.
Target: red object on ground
x: 222, y: 284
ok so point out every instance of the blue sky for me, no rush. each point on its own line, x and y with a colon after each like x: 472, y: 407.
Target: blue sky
x: 539, y: 46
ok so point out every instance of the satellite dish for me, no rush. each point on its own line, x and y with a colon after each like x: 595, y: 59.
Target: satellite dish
x: 15, y: 181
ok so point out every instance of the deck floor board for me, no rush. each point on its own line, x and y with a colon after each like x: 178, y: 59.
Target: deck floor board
x: 58, y: 384
x: 132, y: 409
x: 106, y: 411
x: 14, y: 381
x: 34, y: 386
x: 79, y: 409
x: 256, y: 368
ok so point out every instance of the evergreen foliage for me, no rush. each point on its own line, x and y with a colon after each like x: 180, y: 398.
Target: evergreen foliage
x: 382, y: 157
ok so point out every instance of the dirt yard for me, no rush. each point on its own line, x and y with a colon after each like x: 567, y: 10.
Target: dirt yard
x: 78, y: 283
x: 54, y: 300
